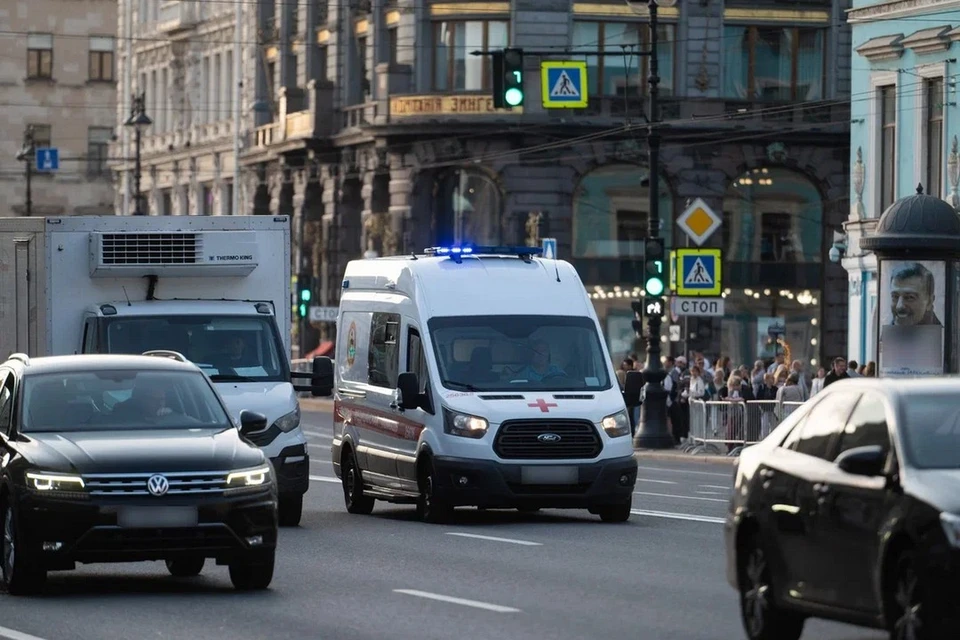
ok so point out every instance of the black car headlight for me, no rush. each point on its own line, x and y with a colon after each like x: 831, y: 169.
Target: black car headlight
x: 256, y: 477
x: 288, y: 422
x: 616, y: 425
x: 54, y: 483
x: 463, y: 424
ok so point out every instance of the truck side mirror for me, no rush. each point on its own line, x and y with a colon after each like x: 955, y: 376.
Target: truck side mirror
x: 632, y: 384
x: 322, y: 381
x: 408, y: 391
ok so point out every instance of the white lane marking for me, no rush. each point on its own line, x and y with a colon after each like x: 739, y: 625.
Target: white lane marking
x: 670, y: 495
x: 324, y: 479
x: 712, y: 493
x: 13, y: 634
x: 526, y: 543
x: 676, y: 516
x: 655, y: 481
x: 313, y: 434
x: 716, y: 486
x: 692, y: 473
x: 319, y: 446
x: 467, y: 603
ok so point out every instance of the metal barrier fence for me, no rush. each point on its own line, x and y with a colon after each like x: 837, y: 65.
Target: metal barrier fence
x: 721, y: 427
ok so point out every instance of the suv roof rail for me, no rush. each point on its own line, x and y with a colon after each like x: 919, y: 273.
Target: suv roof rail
x: 22, y: 357
x: 165, y: 353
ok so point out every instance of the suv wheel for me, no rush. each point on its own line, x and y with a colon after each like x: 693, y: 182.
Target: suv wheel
x: 762, y: 618
x: 353, y: 496
x: 254, y: 572
x: 186, y: 567
x: 290, y: 507
x: 20, y: 574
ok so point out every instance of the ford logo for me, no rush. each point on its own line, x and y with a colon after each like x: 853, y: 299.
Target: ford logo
x: 548, y: 437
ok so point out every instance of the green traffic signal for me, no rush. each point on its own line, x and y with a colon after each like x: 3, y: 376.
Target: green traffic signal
x: 654, y: 286
x: 514, y: 97
x: 305, y: 295
x: 303, y: 311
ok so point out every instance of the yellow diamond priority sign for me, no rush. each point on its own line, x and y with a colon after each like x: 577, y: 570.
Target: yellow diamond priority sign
x: 699, y: 221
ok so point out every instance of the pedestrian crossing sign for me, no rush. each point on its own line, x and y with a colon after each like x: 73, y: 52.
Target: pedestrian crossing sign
x: 564, y: 84
x: 699, y: 272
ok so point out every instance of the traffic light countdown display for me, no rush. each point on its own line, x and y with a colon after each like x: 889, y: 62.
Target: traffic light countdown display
x: 304, y: 295
x: 508, y: 78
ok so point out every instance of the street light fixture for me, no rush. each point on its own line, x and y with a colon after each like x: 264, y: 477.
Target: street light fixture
x: 139, y: 121
x: 26, y: 155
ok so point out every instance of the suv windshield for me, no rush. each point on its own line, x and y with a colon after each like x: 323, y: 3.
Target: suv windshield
x: 519, y: 353
x: 238, y: 348
x: 931, y: 430
x: 119, y: 399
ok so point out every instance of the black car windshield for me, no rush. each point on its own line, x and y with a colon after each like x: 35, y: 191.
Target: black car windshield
x: 519, y: 353
x: 237, y: 348
x: 931, y: 431
x: 119, y: 399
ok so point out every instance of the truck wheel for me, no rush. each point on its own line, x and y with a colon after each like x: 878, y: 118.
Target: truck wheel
x: 291, y: 509
x: 253, y: 573
x: 429, y: 507
x: 353, y: 496
x: 186, y: 567
x: 20, y: 573
x: 615, y: 512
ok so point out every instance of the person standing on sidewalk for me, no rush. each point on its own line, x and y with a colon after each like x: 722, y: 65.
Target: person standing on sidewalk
x: 839, y: 372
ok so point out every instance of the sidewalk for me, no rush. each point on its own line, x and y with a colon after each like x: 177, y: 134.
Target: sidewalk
x: 671, y: 455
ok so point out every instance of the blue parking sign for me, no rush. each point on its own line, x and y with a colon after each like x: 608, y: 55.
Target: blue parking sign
x: 48, y: 159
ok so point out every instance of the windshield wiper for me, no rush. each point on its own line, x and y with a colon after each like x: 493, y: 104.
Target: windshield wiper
x: 462, y: 385
x: 226, y: 377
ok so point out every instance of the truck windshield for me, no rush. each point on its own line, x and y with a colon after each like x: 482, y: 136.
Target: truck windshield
x: 227, y: 348
x: 519, y: 353
x: 96, y: 400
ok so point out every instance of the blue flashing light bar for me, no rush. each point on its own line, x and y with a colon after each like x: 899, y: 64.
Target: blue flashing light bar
x: 477, y: 250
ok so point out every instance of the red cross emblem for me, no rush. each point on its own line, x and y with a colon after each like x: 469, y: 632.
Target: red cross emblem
x: 543, y: 404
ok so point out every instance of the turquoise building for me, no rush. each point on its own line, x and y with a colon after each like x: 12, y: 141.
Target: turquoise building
x: 903, y: 133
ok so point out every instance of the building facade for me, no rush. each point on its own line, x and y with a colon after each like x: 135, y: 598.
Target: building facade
x: 57, y: 73
x: 904, y: 129
x: 380, y: 136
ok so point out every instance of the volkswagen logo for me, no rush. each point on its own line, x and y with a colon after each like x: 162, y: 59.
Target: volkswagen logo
x: 548, y: 437
x: 158, y: 485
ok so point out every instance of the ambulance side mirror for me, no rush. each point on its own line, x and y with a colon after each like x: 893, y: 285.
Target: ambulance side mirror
x: 408, y: 391
x: 632, y: 384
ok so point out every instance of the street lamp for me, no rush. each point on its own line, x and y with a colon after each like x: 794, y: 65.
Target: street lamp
x: 652, y: 431
x: 26, y: 155
x: 139, y: 121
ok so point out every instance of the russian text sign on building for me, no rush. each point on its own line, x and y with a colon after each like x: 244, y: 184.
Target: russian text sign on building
x: 698, y: 272
x: 699, y: 222
x: 564, y: 84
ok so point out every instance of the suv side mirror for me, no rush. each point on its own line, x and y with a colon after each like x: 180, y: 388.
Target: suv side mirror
x: 408, y: 391
x: 322, y: 381
x: 632, y: 384
x: 863, y: 461
x: 251, y: 422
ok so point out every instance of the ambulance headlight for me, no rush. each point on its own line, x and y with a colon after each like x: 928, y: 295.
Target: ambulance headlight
x: 616, y: 425
x: 462, y: 424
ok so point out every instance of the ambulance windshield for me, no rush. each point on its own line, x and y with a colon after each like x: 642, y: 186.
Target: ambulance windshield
x: 517, y: 353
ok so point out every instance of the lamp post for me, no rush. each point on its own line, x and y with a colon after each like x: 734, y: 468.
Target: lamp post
x: 139, y: 121
x: 26, y: 155
x: 652, y: 431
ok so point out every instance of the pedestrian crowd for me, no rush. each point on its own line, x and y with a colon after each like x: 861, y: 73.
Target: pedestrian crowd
x: 699, y: 378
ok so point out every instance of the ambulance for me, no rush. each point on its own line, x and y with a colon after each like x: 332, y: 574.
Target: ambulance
x: 477, y: 376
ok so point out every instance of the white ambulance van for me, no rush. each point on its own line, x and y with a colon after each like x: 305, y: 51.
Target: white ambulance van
x: 477, y: 376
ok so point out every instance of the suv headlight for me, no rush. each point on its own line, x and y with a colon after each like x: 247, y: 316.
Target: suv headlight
x: 463, y: 424
x: 951, y: 528
x: 54, y: 482
x: 249, y: 477
x: 288, y: 422
x: 616, y: 425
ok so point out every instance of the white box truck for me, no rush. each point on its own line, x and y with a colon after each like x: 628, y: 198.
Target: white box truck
x: 214, y: 289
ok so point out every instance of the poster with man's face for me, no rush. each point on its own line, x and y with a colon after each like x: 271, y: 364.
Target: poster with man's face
x: 912, y: 297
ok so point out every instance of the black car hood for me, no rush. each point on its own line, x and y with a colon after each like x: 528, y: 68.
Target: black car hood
x: 940, y: 488
x: 155, y: 450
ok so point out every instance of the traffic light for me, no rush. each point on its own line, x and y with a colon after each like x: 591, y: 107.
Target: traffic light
x: 654, y: 261
x: 304, y: 294
x: 507, y: 78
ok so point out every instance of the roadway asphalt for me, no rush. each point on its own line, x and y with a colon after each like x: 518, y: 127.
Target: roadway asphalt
x: 562, y: 575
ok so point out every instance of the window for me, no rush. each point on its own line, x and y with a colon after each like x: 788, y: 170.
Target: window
x: 774, y: 63
x: 215, y: 105
x: 41, y: 136
x: 825, y: 420
x: 40, y: 55
x: 866, y: 426
x: 384, y: 356
x: 888, y: 145
x: 393, y: 46
x: 322, y: 62
x: 6, y: 402
x: 362, y: 71
x: 416, y: 359
x: 934, y: 136
x: 89, y: 336
x: 454, y: 69
x: 98, y: 142
x: 206, y: 200
x: 101, y: 58
x: 625, y: 75
x: 227, y: 106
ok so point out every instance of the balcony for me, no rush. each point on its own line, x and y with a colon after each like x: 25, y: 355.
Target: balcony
x: 301, y: 115
x: 176, y: 15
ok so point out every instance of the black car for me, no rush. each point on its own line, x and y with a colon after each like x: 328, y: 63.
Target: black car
x: 109, y: 458
x: 850, y: 511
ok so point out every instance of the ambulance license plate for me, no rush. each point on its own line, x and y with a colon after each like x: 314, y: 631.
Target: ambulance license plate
x: 549, y: 475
